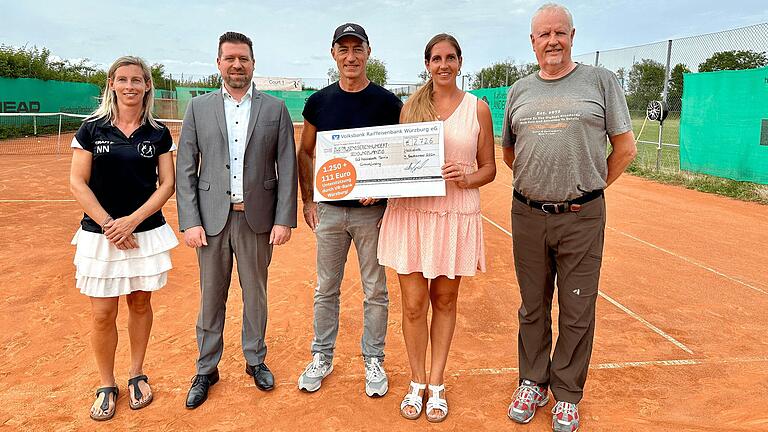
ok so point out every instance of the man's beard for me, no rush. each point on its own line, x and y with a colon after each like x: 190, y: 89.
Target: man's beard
x: 238, y: 82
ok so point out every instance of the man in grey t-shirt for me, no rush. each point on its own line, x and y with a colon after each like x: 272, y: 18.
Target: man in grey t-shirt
x: 554, y: 139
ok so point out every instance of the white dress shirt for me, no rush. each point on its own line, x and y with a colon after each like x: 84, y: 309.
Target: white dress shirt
x: 237, y: 115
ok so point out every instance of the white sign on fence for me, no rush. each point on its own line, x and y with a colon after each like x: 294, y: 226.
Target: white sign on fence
x: 278, y: 83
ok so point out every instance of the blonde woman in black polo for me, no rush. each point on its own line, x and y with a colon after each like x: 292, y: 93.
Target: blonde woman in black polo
x: 122, y: 173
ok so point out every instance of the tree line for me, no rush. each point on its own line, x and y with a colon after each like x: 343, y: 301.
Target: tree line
x: 643, y: 82
x: 34, y: 62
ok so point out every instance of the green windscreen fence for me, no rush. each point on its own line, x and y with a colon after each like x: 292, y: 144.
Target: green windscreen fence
x: 185, y: 94
x: 724, y: 124
x: 294, y: 100
x: 30, y: 95
x: 496, y: 98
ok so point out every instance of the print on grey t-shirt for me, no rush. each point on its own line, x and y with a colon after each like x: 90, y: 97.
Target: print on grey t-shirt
x: 558, y: 129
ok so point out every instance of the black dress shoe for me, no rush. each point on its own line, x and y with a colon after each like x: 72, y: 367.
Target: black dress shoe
x: 262, y: 376
x: 198, y: 393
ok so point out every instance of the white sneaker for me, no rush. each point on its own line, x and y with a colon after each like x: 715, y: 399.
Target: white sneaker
x: 376, y: 383
x: 312, y: 377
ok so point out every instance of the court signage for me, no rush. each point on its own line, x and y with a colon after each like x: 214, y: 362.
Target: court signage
x: 20, y: 107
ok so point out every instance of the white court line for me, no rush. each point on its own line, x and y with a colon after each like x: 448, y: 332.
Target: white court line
x: 503, y: 371
x: 657, y: 330
x: 623, y: 365
x: 625, y: 309
x: 690, y: 261
x: 3, y: 172
x: 600, y: 366
x: 498, y: 226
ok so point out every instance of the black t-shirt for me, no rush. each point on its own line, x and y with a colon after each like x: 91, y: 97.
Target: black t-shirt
x: 333, y: 108
x: 124, y: 169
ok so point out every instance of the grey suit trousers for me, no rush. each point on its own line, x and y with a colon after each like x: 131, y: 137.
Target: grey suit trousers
x: 253, y: 254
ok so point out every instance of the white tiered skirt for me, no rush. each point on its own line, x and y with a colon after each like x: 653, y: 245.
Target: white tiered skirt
x: 106, y: 271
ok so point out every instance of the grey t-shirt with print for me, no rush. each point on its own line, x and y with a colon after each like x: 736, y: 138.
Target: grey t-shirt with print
x: 558, y: 129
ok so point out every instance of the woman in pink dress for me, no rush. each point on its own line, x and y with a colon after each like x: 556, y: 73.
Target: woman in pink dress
x: 433, y: 241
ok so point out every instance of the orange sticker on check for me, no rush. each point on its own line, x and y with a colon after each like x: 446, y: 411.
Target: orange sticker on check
x: 335, y: 179
x: 391, y: 161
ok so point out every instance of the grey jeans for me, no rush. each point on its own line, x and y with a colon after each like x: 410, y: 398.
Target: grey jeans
x: 337, y: 229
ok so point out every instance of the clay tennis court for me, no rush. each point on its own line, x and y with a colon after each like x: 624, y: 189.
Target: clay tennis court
x: 680, y: 343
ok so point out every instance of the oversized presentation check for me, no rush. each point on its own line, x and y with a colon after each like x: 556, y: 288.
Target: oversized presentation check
x: 401, y: 160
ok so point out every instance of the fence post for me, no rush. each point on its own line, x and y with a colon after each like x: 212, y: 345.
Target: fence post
x: 597, y: 58
x: 58, y: 139
x: 664, y: 99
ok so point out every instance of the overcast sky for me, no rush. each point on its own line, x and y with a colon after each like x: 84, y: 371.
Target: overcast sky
x: 292, y: 38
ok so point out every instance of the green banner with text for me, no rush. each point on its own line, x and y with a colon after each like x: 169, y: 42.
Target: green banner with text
x: 30, y: 95
x: 496, y: 98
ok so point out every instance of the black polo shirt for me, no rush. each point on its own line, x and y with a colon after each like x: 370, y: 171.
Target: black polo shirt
x: 124, y: 169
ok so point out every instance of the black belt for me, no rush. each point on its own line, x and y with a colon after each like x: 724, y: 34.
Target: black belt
x: 573, y: 205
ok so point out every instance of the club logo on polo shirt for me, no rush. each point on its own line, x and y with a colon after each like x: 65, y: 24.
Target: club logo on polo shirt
x: 146, y: 149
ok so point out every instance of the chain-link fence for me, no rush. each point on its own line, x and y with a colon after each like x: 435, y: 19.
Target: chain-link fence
x: 655, y: 72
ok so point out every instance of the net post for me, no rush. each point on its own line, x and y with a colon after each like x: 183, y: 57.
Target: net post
x: 58, y: 138
x: 34, y: 124
x: 658, y: 147
x: 664, y: 99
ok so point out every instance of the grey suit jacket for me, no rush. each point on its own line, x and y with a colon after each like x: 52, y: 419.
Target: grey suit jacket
x: 269, y: 169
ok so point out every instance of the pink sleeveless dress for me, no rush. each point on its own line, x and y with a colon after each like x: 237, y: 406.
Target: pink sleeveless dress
x: 440, y: 236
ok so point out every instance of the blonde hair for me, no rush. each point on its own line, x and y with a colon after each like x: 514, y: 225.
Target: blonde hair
x: 419, y: 107
x: 108, y: 107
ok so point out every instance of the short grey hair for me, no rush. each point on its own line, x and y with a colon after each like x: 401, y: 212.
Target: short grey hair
x: 552, y: 6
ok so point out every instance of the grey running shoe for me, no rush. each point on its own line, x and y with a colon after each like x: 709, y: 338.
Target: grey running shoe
x: 565, y: 417
x: 312, y: 377
x: 526, y: 399
x: 376, y: 383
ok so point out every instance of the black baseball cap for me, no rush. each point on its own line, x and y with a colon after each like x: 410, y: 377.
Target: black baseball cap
x: 349, y: 29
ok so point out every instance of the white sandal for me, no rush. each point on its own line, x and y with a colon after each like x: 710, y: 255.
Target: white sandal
x: 435, y: 402
x: 413, y: 399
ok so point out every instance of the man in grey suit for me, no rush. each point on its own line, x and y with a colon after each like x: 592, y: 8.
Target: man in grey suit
x: 236, y: 195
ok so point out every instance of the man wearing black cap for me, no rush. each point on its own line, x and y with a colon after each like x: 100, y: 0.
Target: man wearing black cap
x: 352, y: 102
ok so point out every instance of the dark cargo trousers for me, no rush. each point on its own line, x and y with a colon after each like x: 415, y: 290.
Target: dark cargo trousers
x: 566, y: 249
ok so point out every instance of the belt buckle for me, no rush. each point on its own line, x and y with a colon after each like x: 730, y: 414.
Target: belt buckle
x: 238, y: 207
x: 552, y: 205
